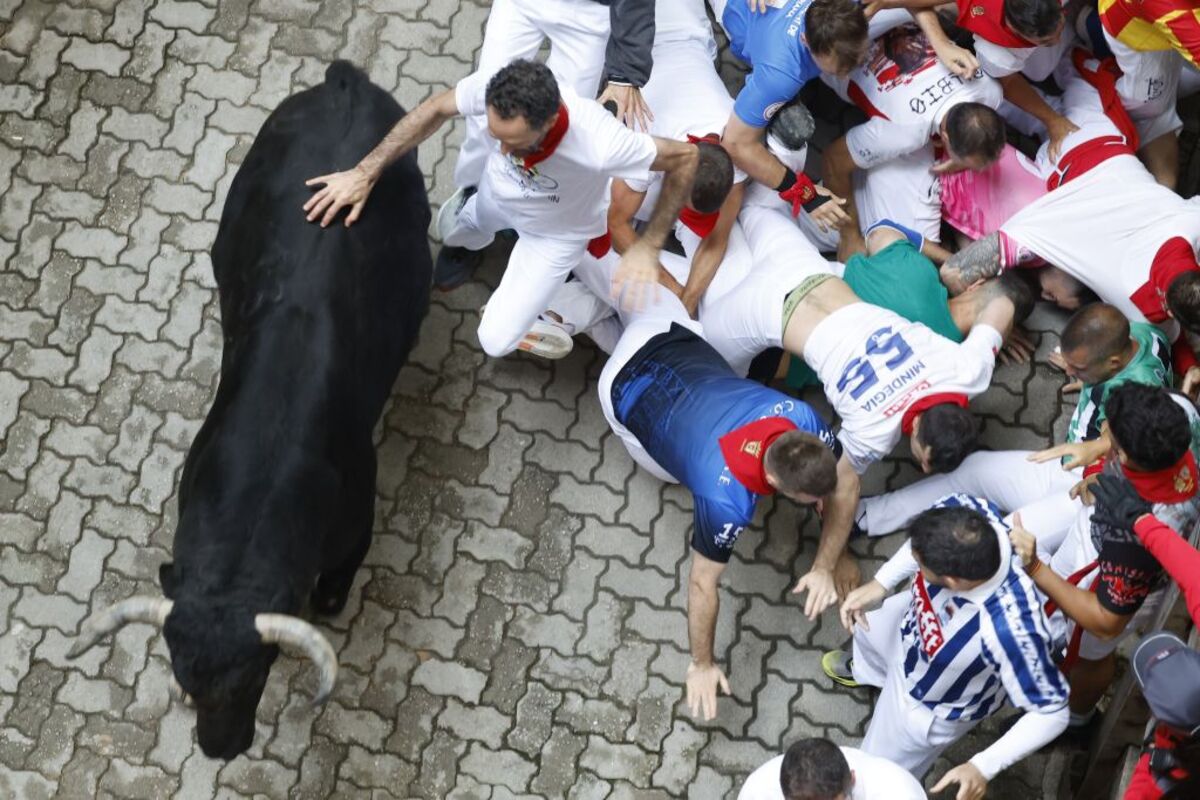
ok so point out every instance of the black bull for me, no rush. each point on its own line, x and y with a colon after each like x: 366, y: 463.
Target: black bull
x: 276, y: 501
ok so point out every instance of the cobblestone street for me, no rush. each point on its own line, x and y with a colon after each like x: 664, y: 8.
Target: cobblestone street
x: 518, y: 629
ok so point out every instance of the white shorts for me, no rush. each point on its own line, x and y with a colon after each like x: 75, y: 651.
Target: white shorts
x: 578, y: 34
x: 749, y: 319
x: 901, y: 729
x: 1148, y: 87
x: 902, y: 190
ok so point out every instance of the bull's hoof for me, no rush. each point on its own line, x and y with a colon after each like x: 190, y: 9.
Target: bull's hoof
x: 329, y: 601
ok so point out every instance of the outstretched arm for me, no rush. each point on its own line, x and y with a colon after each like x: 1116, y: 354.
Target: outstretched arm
x: 703, y: 675
x: 1018, y: 91
x: 711, y: 252
x: 351, y: 188
x: 975, y: 262
x: 837, y: 519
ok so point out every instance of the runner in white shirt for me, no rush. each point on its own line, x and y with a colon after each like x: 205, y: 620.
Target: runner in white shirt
x: 813, y: 768
x: 1106, y: 221
x: 547, y: 176
x: 690, y: 102
x: 881, y: 372
x: 911, y: 99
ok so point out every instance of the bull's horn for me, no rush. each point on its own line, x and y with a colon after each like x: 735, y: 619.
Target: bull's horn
x: 151, y: 610
x: 288, y: 630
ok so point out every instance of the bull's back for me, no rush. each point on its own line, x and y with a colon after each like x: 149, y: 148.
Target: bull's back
x: 369, y: 282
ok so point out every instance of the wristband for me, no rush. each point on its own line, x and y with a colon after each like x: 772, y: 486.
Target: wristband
x: 800, y: 191
x: 816, y: 202
x: 1032, y: 569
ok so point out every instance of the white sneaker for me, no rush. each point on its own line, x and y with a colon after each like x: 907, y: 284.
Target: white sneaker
x: 548, y: 339
x: 447, y: 215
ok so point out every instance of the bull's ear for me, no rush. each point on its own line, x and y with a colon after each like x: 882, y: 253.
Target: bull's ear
x: 166, y: 577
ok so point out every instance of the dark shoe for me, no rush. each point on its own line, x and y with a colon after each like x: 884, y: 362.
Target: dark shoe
x: 454, y: 267
x: 793, y: 125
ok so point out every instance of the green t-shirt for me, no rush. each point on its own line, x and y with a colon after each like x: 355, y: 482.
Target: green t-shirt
x: 899, y: 279
x: 1150, y: 365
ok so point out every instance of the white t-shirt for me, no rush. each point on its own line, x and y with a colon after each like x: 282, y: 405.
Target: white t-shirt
x: 875, y: 778
x: 906, y: 91
x: 565, y: 196
x: 874, y: 364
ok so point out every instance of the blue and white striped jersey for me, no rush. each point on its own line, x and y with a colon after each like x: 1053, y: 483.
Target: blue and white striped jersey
x: 965, y: 652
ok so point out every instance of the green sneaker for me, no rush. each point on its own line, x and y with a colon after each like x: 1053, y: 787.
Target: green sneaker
x: 837, y: 665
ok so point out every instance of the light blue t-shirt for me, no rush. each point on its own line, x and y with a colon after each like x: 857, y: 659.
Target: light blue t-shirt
x: 770, y: 43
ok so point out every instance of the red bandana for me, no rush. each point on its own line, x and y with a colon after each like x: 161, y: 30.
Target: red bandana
x: 744, y: 448
x: 551, y: 140
x: 986, y: 18
x: 927, y: 402
x: 1174, y: 484
x: 698, y: 223
x: 1173, y: 259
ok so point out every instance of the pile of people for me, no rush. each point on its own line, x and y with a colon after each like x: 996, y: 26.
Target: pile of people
x: 1023, y: 571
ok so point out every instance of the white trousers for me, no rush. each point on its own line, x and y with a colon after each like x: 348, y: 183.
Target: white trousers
x: 1148, y: 87
x: 639, y: 327
x: 578, y: 34
x: 901, y: 729
x: 537, y: 267
x: 749, y: 319
x: 1038, y: 492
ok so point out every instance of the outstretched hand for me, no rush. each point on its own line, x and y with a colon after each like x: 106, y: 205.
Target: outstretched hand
x: 821, y: 588
x: 338, y: 190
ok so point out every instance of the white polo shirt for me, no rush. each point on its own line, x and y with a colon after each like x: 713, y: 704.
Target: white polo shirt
x: 906, y: 91
x: 566, y: 195
x: 875, y: 778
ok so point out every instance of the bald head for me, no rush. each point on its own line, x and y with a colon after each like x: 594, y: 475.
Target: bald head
x: 1100, y: 328
x: 1096, y: 343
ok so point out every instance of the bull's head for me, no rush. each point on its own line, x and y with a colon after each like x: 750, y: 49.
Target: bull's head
x: 221, y: 660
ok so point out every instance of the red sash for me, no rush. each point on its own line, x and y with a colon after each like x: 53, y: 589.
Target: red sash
x: 986, y: 19
x: 1080, y: 159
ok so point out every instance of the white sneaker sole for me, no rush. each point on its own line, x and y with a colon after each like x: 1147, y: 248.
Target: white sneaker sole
x: 547, y: 340
x: 448, y: 213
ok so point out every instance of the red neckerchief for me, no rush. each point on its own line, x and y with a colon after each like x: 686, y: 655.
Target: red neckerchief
x: 929, y: 627
x: 1174, y: 484
x: 551, y: 140
x: 744, y: 448
x: 1173, y: 259
x: 927, y: 402
x: 699, y: 223
x: 986, y: 18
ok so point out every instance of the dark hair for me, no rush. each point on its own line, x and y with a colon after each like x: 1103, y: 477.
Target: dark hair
x: 1148, y: 425
x: 951, y: 433
x: 973, y: 129
x: 1033, y: 19
x: 1011, y: 286
x: 714, y: 178
x: 1100, y: 329
x: 526, y: 89
x: 800, y: 463
x: 837, y: 28
x: 1183, y: 299
x: 814, y: 769
x: 956, y: 542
